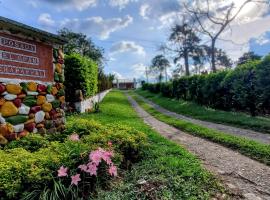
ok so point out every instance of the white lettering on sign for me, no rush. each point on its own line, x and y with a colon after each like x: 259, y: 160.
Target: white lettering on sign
x: 15, y: 57
x: 15, y: 44
x: 22, y: 71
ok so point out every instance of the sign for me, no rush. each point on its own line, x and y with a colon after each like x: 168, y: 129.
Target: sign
x: 27, y: 60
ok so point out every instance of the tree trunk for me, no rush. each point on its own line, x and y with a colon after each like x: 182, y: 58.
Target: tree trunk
x: 166, y: 75
x: 213, y: 55
x: 186, y: 63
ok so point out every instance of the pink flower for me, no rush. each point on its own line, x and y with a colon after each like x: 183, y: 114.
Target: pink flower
x: 83, y: 168
x: 75, y: 179
x: 113, y: 170
x: 92, y: 168
x: 74, y: 137
x: 95, y: 157
x: 106, y: 156
x: 62, y: 172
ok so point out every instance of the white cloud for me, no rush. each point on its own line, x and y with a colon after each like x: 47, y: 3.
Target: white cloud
x: 46, y: 20
x: 90, y: 26
x: 138, y: 70
x: 145, y: 10
x: 70, y: 4
x: 117, y: 75
x: 127, y: 46
x: 120, y: 3
x: 262, y: 39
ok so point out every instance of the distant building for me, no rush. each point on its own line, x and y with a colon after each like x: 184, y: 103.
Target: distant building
x: 125, y: 84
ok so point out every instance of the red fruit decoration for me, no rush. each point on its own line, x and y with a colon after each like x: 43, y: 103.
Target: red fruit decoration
x: 35, y: 109
x: 41, y: 88
x: 2, y: 88
x: 53, y: 114
x: 17, y: 102
x: 61, y: 61
x: 12, y: 136
x: 30, y: 127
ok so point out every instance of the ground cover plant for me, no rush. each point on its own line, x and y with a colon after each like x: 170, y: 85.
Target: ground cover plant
x: 196, y: 111
x: 250, y: 148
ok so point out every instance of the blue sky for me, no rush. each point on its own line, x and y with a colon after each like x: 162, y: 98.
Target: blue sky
x: 131, y: 31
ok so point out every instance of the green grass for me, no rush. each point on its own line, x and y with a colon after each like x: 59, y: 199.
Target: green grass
x: 172, y: 171
x: 250, y: 148
x: 196, y: 111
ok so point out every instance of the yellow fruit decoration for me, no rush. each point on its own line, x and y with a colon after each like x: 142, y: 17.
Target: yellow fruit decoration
x: 47, y: 107
x: 58, y: 68
x: 54, y: 91
x: 6, y: 129
x: 62, y: 99
x: 3, y: 140
x: 2, y: 101
x: 13, y: 89
x: 32, y: 86
x: 8, y: 109
x: 41, y: 100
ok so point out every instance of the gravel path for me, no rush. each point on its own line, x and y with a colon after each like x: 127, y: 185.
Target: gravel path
x: 244, y: 177
x: 260, y: 137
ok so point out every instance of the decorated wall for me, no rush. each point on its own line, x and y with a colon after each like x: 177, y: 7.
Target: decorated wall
x: 29, y: 104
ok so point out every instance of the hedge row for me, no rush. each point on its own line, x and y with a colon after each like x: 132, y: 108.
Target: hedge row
x: 81, y: 73
x: 246, y: 88
x: 30, y: 165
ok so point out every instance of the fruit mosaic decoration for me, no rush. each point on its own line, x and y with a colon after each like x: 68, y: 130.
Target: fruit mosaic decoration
x: 32, y: 107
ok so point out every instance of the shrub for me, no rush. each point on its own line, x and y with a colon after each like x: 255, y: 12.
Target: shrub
x: 22, y: 171
x: 246, y: 88
x: 80, y: 74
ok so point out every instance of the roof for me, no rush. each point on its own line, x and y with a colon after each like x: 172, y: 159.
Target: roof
x: 17, y: 27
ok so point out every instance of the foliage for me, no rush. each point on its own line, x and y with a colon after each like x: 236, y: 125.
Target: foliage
x: 189, y: 108
x: 78, y: 43
x: 22, y: 172
x: 105, y: 81
x: 251, y: 148
x: 248, y: 56
x: 245, y: 88
x: 81, y: 73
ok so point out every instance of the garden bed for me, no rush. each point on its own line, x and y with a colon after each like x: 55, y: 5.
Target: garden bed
x: 149, y: 166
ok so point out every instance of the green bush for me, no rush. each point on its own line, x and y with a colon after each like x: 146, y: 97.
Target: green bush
x: 81, y: 73
x: 263, y: 85
x: 246, y: 88
x: 22, y: 171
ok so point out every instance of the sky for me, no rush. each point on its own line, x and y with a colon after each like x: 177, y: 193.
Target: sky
x: 131, y: 31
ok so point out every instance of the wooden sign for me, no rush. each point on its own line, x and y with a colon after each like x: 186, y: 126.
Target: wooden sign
x: 23, y: 59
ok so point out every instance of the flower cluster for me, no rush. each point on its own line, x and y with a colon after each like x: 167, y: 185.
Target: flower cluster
x: 95, y: 158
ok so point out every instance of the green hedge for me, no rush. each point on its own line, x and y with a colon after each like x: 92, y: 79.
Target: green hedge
x: 81, y: 73
x: 246, y: 88
x: 34, y: 167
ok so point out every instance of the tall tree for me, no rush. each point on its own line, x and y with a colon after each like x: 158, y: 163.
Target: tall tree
x: 159, y: 65
x: 183, y: 42
x: 80, y: 43
x: 247, y: 57
x: 214, y: 17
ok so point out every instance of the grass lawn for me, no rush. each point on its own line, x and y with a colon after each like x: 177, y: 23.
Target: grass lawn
x: 167, y: 171
x: 194, y: 110
x: 250, y: 148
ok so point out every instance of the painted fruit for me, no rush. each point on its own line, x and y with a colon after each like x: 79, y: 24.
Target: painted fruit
x: 41, y: 100
x: 32, y: 86
x: 41, y: 88
x: 18, y: 119
x: 13, y: 89
x: 17, y: 102
x: 30, y: 101
x: 47, y: 107
x: 8, y: 109
x: 6, y: 129
x: 3, y: 140
x: 30, y: 127
x: 2, y: 88
x: 22, y: 134
x: 35, y: 109
x: 2, y: 101
x: 24, y: 110
x: 39, y: 116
